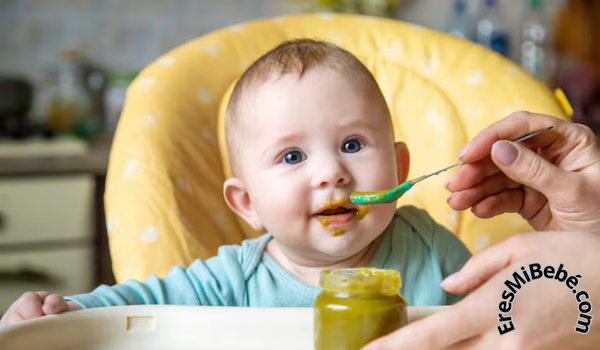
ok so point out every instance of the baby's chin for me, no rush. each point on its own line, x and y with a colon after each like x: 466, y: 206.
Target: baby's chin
x: 343, y: 244
x: 358, y: 231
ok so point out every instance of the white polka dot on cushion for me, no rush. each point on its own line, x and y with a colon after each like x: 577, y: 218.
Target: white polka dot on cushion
x: 204, y: 95
x: 514, y: 70
x: 394, y: 51
x: 147, y: 82
x: 474, y: 79
x: 112, y: 225
x: 437, y: 119
x: 212, y: 49
x: 483, y: 241
x: 168, y: 61
x: 133, y: 168
x: 388, y: 96
x: 150, y: 120
x: 149, y: 235
x: 429, y: 66
x: 237, y: 28
x: 517, y: 221
x: 452, y: 218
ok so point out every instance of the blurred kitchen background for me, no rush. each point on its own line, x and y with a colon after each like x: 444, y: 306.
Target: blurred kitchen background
x: 65, y: 66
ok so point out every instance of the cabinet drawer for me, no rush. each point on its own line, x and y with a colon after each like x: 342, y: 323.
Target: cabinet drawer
x: 46, y: 209
x: 65, y: 271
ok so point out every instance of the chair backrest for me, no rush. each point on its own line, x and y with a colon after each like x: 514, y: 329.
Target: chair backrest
x: 164, y: 199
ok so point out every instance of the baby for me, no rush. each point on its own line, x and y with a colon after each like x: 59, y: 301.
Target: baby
x: 306, y: 126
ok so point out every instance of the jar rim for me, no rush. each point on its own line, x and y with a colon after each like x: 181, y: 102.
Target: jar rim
x: 361, y: 281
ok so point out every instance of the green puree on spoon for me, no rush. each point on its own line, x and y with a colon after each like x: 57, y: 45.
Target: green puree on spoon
x: 389, y: 196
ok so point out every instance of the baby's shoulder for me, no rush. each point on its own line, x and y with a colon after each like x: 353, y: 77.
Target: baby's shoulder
x: 251, y: 252
x: 242, y: 258
x: 418, y: 219
x: 412, y: 222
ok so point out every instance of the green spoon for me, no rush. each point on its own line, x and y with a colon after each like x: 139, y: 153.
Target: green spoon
x: 380, y: 197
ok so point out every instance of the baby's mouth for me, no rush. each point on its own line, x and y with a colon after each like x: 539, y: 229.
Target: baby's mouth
x: 336, y: 218
x: 336, y: 211
x: 337, y: 215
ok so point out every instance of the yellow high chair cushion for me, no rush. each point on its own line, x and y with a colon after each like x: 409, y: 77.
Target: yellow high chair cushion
x: 164, y: 199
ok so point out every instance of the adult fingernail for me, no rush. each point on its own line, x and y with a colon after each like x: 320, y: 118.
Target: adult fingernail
x: 464, y: 150
x: 505, y: 152
x: 449, y: 280
x: 448, y: 181
x: 449, y: 198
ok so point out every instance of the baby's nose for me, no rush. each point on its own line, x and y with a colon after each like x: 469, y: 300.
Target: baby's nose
x: 339, y: 182
x: 331, y: 175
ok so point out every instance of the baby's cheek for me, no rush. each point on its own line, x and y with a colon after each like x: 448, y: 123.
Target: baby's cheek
x: 389, y: 177
x: 280, y: 206
x: 377, y: 176
x: 380, y: 215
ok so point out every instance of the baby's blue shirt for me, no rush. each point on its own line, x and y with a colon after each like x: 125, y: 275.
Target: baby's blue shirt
x: 421, y: 250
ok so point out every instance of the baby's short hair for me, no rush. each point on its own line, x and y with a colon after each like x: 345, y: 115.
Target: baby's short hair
x: 292, y: 57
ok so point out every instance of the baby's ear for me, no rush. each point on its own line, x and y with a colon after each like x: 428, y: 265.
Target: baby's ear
x: 238, y: 199
x: 402, y: 161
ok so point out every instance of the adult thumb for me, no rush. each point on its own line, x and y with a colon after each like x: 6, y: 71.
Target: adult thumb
x: 486, y: 264
x: 528, y: 168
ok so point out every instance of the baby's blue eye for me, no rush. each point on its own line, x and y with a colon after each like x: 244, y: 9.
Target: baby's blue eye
x: 352, y: 146
x: 294, y: 157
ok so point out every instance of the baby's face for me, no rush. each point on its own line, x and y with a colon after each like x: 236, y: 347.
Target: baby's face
x: 307, y: 145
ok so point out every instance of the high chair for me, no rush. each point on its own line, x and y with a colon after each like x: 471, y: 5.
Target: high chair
x: 164, y: 200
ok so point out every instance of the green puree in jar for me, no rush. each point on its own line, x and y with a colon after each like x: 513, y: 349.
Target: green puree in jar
x: 357, y: 306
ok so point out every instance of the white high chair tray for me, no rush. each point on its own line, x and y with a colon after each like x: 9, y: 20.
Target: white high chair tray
x: 156, y: 327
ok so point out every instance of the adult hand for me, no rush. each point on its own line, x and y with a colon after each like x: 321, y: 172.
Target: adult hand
x: 544, y: 312
x: 36, y: 304
x: 551, y: 180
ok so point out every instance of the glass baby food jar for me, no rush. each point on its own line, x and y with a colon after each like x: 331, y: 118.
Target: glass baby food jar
x: 357, y: 306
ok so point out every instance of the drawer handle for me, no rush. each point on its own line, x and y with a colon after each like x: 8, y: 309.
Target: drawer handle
x: 2, y: 221
x: 27, y: 275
